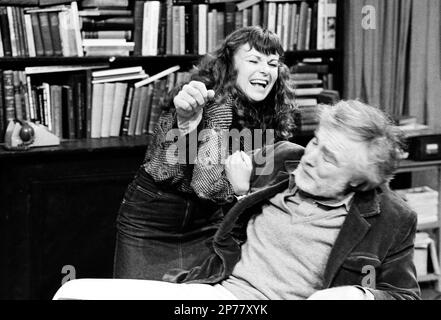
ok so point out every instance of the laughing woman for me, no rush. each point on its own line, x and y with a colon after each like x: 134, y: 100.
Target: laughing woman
x: 173, y: 206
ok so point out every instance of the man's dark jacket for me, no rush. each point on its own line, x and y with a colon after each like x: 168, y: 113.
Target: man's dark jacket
x: 375, y: 243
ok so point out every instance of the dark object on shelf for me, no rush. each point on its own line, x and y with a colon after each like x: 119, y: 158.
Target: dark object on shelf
x: 424, y: 147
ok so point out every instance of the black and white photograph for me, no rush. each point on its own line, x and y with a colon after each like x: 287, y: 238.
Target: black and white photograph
x: 220, y: 154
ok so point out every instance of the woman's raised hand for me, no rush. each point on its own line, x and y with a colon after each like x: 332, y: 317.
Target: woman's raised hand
x: 190, y: 101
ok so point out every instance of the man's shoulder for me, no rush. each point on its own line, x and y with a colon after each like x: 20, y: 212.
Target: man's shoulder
x: 271, y: 162
x: 395, y: 207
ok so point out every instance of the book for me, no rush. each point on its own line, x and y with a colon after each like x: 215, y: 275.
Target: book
x: 107, y: 23
x: 54, y: 24
x: 63, y: 68
x: 6, y: 37
x: 3, y: 123
x: 162, y: 29
x: 52, y: 2
x: 127, y: 109
x: 23, y: 47
x: 308, y: 91
x: 29, y: 34
x: 104, y: 3
x: 97, y: 109
x: 124, y: 77
x: 8, y: 94
x: 143, y: 109
x: 57, y: 109
x: 108, y: 34
x: 169, y: 28
x: 202, y: 28
x: 118, y: 105
x: 117, y: 71
x: 88, y: 101
x: 13, y: 35
x: 67, y: 44
x: 75, y: 29
x: 99, y: 12
x: 134, y: 111
x: 38, y: 40
x: 156, y: 104
x: 150, y: 28
x: 108, y: 99
x: 17, y: 96
x: 246, y: 4
x: 19, y: 2
x: 157, y: 76
x: 43, y: 19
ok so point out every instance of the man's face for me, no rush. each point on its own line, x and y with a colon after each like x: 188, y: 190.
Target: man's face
x: 327, y: 167
x: 256, y: 72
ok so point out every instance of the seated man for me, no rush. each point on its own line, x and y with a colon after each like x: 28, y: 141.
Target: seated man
x: 324, y: 227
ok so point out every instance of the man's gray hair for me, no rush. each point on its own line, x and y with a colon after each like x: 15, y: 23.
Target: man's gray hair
x: 371, y: 125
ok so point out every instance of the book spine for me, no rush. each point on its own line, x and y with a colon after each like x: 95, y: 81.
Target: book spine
x: 88, y: 102
x: 29, y: 35
x: 54, y: 24
x: 3, y: 122
x: 70, y: 111
x: 97, y: 110
x: 6, y: 37
x: 12, y: 31
x: 195, y: 28
x: 182, y: 34
x: 120, y: 94
x: 17, y: 95
x: 75, y: 21
x: 108, y: 99
x: 22, y: 32
x: 17, y: 31
x: 127, y: 110
x: 230, y: 9
x: 169, y: 37
x: 138, y: 27
x: 55, y: 93
x: 189, y: 35
x: 202, y: 28
x: 39, y: 48
x: 43, y: 18
x: 76, y: 83
x: 162, y: 32
x: 176, y: 31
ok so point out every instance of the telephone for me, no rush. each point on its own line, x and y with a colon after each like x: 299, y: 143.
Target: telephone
x: 22, y: 135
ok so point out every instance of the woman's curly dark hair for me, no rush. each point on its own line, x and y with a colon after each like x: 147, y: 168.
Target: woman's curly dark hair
x: 216, y: 70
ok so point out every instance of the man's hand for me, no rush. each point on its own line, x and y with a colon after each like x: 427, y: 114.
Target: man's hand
x: 238, y: 168
x: 190, y: 101
x: 339, y: 293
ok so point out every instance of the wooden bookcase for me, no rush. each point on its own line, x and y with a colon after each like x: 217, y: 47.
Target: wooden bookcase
x: 407, y: 166
x: 58, y: 204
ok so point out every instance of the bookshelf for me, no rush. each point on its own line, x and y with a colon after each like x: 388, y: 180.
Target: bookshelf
x: 58, y: 204
x: 408, y: 166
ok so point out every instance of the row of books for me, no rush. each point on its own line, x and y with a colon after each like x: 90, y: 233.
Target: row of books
x: 65, y: 30
x: 198, y: 28
x: 107, y: 28
x: 49, y: 31
x: 313, y: 86
x: 84, y: 102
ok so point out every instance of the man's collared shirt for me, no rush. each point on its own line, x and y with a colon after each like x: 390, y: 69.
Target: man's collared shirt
x: 287, y: 247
